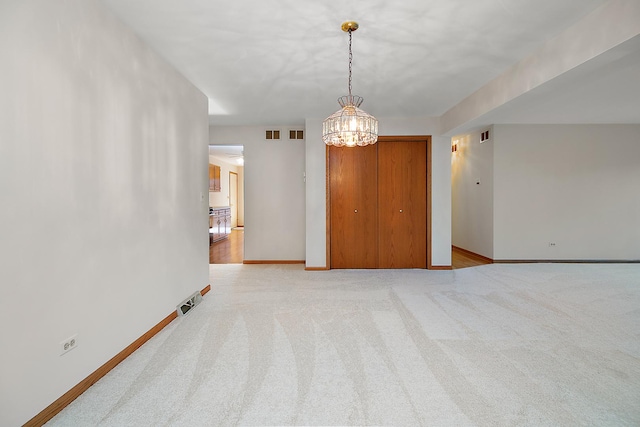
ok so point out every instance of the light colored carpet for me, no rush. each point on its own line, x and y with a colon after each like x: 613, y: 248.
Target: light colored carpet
x: 496, y: 345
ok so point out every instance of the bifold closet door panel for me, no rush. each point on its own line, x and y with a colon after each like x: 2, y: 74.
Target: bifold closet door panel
x: 402, y: 204
x: 353, y: 213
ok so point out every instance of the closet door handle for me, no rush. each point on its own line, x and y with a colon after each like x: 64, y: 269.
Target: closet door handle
x: 355, y: 211
x: 400, y: 210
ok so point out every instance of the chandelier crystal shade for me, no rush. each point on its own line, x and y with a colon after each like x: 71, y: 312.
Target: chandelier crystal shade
x: 350, y: 126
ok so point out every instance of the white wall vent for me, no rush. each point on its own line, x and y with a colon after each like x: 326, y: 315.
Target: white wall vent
x: 187, y: 305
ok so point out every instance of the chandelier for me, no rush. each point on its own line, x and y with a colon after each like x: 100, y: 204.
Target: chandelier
x: 350, y: 126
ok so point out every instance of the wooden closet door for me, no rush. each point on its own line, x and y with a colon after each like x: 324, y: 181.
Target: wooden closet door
x: 353, y: 211
x: 402, y: 201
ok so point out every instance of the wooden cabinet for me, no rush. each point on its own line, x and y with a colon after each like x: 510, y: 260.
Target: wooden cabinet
x: 214, y: 178
x: 219, y: 224
x: 378, y: 205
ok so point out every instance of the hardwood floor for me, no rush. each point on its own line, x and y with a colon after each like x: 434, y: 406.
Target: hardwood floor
x: 229, y: 250
x: 464, y: 259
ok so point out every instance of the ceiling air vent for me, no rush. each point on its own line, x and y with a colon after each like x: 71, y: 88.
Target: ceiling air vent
x: 272, y: 134
x: 187, y: 305
x: 296, y: 134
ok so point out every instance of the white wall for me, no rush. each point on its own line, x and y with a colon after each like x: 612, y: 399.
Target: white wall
x: 274, y: 209
x: 574, y: 185
x: 441, y: 182
x: 103, y: 162
x: 441, y: 201
x: 472, y: 193
x: 316, y: 195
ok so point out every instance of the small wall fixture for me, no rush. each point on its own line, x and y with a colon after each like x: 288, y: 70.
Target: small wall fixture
x: 296, y: 134
x: 484, y: 136
x: 272, y: 134
x: 350, y: 126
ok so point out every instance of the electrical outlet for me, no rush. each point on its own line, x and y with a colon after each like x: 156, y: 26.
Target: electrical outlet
x: 552, y: 244
x: 68, y: 344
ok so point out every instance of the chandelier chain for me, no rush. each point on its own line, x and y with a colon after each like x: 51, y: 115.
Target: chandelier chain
x: 350, y: 61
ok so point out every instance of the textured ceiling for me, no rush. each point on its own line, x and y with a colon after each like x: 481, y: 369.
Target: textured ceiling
x: 228, y: 153
x: 277, y: 62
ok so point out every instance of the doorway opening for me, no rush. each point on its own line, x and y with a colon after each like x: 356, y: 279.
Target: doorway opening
x: 226, y: 204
